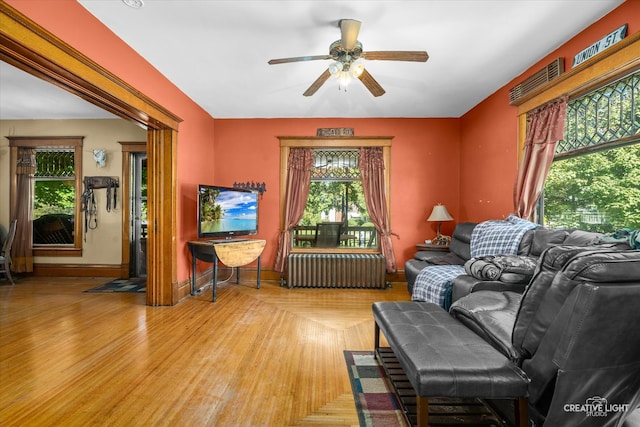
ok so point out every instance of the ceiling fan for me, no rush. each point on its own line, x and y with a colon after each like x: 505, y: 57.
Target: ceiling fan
x: 348, y: 55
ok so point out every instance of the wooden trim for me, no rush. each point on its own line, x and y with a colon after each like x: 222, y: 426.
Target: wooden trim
x: 522, y: 135
x: 45, y: 141
x: 133, y: 146
x: 345, y: 141
x: 40, y: 53
x: 284, y: 166
x: 125, y: 196
x: 57, y: 251
x: 162, y: 286
x: 30, y: 47
x: 77, y: 270
x: 613, y: 63
x: 128, y: 147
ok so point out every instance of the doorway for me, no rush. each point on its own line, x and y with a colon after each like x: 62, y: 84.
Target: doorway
x: 138, y: 215
x: 31, y: 48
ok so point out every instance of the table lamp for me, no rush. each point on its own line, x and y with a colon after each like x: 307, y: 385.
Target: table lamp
x: 440, y: 213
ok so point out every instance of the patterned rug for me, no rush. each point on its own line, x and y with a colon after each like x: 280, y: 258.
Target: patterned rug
x: 384, y: 397
x: 135, y: 284
x: 373, y: 393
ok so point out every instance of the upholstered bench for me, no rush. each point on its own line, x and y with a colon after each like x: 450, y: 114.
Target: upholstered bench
x: 443, y: 358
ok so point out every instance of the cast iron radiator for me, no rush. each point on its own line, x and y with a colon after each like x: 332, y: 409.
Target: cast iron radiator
x: 307, y: 270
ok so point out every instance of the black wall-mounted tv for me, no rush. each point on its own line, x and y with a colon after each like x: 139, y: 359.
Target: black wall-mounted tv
x: 226, y: 212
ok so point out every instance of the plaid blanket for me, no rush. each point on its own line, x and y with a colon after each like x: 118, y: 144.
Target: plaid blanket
x: 499, y: 237
x: 433, y: 284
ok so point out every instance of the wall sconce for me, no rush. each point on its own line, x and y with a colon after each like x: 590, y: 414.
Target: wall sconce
x: 261, y: 188
x: 440, y: 213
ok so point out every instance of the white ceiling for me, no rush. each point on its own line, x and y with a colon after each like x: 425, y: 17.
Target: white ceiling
x: 25, y: 97
x: 217, y: 52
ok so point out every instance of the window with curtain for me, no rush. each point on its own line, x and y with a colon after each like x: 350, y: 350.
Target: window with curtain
x: 342, y: 180
x: 594, y: 181
x: 336, y: 195
x: 55, y: 203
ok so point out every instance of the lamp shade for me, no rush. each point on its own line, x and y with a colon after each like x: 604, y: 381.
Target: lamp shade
x: 439, y: 213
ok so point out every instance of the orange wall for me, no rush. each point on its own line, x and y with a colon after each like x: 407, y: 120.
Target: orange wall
x: 489, y: 136
x: 424, y: 169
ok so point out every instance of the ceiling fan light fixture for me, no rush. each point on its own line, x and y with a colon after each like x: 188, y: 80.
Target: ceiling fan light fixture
x: 357, y: 68
x: 347, y: 54
x: 335, y: 68
x: 344, y: 79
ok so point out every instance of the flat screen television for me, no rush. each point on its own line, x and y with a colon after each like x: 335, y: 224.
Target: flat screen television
x: 226, y: 212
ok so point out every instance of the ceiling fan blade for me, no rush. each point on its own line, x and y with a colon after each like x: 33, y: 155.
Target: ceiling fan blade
x: 298, y: 59
x: 349, y: 29
x: 319, y: 82
x: 398, y: 55
x: 370, y: 83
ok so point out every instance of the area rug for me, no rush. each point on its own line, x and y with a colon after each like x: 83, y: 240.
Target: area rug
x: 373, y: 393
x: 135, y: 285
x: 384, y: 397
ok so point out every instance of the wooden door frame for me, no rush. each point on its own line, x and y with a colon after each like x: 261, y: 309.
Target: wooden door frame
x: 128, y: 148
x: 29, y: 47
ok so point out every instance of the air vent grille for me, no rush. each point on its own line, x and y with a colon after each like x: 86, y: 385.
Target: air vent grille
x: 548, y: 73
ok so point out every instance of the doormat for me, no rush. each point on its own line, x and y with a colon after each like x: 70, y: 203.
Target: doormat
x: 134, y: 284
x: 375, y: 400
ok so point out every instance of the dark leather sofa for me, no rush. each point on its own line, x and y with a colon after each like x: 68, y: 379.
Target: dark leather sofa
x: 574, y: 333
x: 533, y: 243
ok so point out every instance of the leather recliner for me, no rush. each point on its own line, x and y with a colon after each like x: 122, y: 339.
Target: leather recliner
x: 532, y: 244
x: 574, y: 332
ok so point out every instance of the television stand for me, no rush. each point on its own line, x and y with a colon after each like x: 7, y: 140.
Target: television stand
x: 233, y: 240
x: 231, y: 252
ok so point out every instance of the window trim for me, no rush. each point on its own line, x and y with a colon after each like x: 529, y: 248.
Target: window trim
x: 615, y: 62
x: 52, y: 141
x: 288, y: 142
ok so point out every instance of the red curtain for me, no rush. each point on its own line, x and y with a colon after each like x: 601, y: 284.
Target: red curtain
x: 373, y: 185
x: 22, y: 250
x: 545, y: 127
x: 297, y: 192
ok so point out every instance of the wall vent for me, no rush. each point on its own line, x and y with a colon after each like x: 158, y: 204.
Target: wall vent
x: 548, y: 73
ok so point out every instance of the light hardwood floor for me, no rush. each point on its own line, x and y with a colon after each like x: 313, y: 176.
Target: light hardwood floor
x: 257, y: 357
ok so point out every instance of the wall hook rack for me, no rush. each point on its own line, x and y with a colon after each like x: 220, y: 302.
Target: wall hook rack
x: 261, y: 188
x: 96, y: 182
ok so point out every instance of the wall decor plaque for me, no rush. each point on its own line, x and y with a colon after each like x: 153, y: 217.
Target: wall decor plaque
x: 602, y: 44
x: 335, y: 132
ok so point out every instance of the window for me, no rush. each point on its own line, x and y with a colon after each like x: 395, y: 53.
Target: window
x: 594, y: 182
x: 335, y: 195
x: 54, y: 196
x: 56, y: 186
x: 364, y: 240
